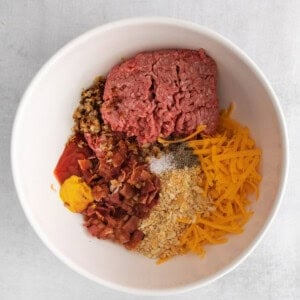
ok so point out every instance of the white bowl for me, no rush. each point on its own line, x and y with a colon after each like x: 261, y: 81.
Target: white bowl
x: 43, y: 124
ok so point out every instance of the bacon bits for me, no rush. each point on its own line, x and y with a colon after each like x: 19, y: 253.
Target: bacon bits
x: 123, y: 188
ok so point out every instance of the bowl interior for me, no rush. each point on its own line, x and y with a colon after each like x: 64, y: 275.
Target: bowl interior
x: 44, y: 123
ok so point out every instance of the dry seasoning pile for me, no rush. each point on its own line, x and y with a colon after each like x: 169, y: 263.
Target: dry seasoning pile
x: 174, y: 156
x: 180, y: 197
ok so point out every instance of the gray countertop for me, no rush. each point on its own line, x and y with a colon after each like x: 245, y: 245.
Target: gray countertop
x: 31, y: 31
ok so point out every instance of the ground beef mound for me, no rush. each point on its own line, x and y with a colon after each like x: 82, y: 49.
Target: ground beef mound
x: 162, y: 93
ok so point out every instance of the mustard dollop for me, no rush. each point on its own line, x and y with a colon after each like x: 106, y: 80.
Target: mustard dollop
x: 76, y: 194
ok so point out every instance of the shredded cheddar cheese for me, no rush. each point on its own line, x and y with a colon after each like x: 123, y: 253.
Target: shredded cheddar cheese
x: 230, y: 161
x: 199, y: 129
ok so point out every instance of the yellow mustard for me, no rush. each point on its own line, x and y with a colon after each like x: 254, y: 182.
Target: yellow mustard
x: 76, y: 194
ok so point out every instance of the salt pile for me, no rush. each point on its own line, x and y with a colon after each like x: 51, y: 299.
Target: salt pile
x: 162, y: 164
x: 178, y: 157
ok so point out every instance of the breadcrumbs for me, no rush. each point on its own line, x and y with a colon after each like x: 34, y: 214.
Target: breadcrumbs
x: 180, y: 197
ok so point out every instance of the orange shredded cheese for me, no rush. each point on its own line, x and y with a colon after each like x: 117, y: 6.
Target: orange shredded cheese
x: 162, y: 260
x: 230, y: 162
x: 199, y: 129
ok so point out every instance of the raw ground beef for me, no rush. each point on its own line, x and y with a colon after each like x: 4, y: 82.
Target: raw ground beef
x: 162, y: 93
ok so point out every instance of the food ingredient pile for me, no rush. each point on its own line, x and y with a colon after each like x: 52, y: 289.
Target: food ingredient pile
x: 180, y: 197
x: 152, y: 164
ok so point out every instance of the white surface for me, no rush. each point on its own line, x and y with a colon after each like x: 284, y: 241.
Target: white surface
x: 32, y: 31
x: 63, y: 77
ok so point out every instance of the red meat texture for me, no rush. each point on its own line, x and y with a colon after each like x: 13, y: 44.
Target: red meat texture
x: 156, y: 94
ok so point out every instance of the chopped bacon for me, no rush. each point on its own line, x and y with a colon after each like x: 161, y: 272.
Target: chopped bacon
x: 132, y: 224
x: 107, y: 171
x: 126, y: 207
x: 117, y: 159
x: 106, y: 233
x: 122, y: 236
x: 143, y: 199
x: 141, y: 210
x: 148, y: 187
x: 123, y: 187
x: 111, y: 221
x: 127, y: 191
x: 113, y: 199
x: 152, y: 196
x: 153, y: 202
x: 100, y: 192
x: 145, y: 175
x: 102, y: 211
x: 122, y: 176
x: 136, y: 174
x: 90, y: 210
x: 100, y: 216
x: 94, y: 230
x: 136, y: 238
